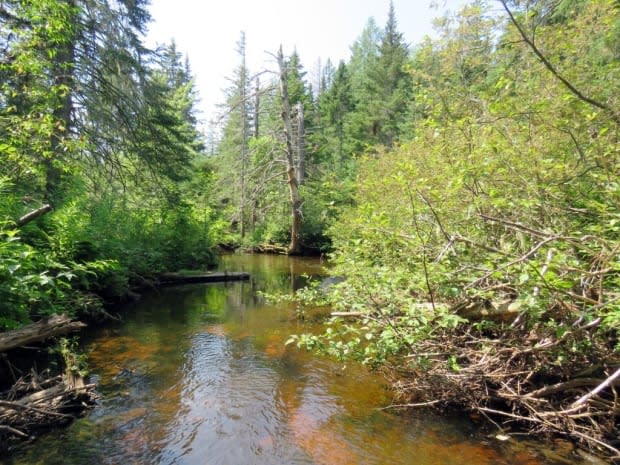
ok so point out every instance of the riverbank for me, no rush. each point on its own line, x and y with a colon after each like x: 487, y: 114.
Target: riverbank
x: 46, y: 389
x: 552, y: 377
x: 201, y: 371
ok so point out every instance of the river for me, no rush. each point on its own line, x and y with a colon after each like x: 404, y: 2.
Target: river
x: 200, y: 374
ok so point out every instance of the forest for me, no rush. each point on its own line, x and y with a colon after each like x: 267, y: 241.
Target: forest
x: 467, y: 188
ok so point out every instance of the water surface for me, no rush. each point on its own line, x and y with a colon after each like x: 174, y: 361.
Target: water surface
x: 200, y: 374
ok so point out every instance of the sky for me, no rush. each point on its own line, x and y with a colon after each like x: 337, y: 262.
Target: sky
x: 208, y: 31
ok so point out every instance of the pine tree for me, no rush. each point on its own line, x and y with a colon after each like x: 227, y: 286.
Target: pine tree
x: 381, y: 85
x: 233, y: 148
x: 335, y: 105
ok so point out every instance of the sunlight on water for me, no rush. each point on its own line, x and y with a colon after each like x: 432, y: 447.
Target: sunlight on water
x: 200, y: 374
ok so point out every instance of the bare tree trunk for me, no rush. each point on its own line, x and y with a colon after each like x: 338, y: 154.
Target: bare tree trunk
x: 256, y: 106
x: 294, y: 247
x: 301, y: 144
x: 243, y: 88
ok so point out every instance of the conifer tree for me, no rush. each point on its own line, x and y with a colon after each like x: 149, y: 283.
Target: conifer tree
x: 382, y: 88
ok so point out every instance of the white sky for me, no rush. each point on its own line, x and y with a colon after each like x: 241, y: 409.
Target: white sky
x: 207, y: 32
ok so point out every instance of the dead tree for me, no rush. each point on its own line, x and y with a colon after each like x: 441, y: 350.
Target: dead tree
x: 301, y: 143
x: 293, y: 183
x: 55, y: 325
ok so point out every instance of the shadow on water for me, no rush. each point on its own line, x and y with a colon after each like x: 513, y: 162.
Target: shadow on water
x: 199, y: 374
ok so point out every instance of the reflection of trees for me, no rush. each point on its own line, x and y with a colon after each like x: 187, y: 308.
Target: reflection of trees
x: 274, y: 273
x: 309, y: 414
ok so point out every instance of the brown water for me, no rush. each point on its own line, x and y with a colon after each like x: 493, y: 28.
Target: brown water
x: 200, y: 374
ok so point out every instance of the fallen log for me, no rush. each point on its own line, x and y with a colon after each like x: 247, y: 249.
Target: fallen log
x: 347, y: 314
x: 213, y: 277
x: 55, y: 325
x: 270, y: 249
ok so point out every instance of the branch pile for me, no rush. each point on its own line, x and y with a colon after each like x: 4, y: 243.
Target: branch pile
x: 522, y: 379
x: 37, y: 401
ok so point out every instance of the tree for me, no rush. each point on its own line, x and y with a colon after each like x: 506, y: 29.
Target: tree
x: 334, y: 106
x: 37, y: 60
x: 104, y: 130
x: 381, y: 83
x: 233, y: 147
x: 389, y: 85
x: 294, y: 247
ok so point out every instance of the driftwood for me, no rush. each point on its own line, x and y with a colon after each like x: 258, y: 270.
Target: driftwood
x: 512, y: 379
x: 476, y: 310
x: 33, y: 215
x: 35, y: 401
x: 55, y: 325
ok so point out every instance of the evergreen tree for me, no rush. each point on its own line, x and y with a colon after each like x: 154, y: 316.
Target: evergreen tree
x: 382, y: 88
x: 335, y: 105
x: 233, y: 149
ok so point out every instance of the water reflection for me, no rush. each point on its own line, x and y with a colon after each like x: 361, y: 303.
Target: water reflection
x: 200, y: 375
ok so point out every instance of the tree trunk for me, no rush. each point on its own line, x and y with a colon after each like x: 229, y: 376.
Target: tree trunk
x: 243, y: 95
x: 55, y: 325
x: 294, y: 247
x: 301, y: 144
x: 256, y: 107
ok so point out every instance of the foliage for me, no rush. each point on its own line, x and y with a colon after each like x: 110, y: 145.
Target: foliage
x: 74, y: 361
x: 482, y: 254
x: 483, y: 205
x: 103, y: 130
x: 35, y: 284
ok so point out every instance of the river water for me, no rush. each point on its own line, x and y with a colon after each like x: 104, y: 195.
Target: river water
x: 200, y: 374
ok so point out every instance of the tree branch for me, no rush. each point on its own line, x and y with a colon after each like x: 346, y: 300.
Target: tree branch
x: 28, y: 217
x: 580, y: 95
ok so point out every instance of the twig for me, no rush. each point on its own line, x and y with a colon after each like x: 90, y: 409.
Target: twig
x: 598, y: 389
x: 416, y: 405
x: 544, y: 270
x: 515, y: 225
x: 510, y: 415
x: 16, y: 406
x: 13, y: 431
x: 596, y: 441
x: 522, y: 258
x: 561, y: 387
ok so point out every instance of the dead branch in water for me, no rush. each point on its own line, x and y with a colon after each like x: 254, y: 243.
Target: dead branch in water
x: 29, y: 406
x: 515, y: 380
x: 55, y: 325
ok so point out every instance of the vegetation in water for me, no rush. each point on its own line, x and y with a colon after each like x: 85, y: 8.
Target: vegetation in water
x: 481, y: 252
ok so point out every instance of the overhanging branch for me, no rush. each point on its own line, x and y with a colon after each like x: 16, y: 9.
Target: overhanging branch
x: 580, y: 95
